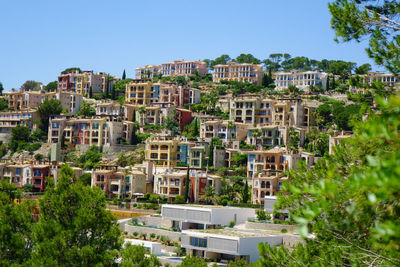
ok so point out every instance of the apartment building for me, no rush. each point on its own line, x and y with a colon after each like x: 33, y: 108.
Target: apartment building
x: 288, y: 112
x: 154, y: 115
x: 12, y: 119
x: 300, y: 79
x: 184, y: 68
x: 264, y: 112
x: 265, y: 136
x: 108, y: 109
x: 147, y: 72
x: 40, y: 173
x: 176, y: 95
x: 141, y: 92
x: 260, y: 160
x: 224, y: 130
x: 161, y: 151
x: 18, y: 174
x: 119, y: 181
x: 388, y: 79
x: 198, y: 156
x: 226, y: 244
x: 86, y: 131
x: 267, y: 183
x: 337, y: 140
x: 82, y: 82
x: 25, y: 99
x: 243, y: 109
x: 170, y: 184
x: 240, y: 72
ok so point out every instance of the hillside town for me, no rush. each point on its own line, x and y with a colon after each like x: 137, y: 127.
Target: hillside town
x: 200, y: 149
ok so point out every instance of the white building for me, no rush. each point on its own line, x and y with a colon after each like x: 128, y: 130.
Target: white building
x: 227, y: 244
x: 194, y: 217
x: 301, y: 79
x: 153, y: 247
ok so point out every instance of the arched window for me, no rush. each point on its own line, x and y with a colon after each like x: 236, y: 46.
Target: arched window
x: 268, y: 184
x: 263, y: 184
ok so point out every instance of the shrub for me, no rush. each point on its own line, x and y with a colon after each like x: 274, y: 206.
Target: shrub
x: 283, y: 230
x: 152, y: 235
x: 179, y: 199
x: 224, y: 202
x: 134, y: 205
x: 232, y: 224
x: 134, y: 221
x: 143, y: 235
x: 135, y: 233
x: 261, y: 215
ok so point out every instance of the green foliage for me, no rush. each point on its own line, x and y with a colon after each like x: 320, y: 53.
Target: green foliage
x: 172, y: 124
x: 1, y: 88
x: 246, y: 193
x: 191, y: 261
x: 20, y: 135
x: 231, y: 224
x: 247, y: 58
x: 373, y: 20
x: 179, y: 199
x: 294, y: 139
x: 48, y: 108
x: 191, y: 130
x: 135, y: 256
x: 187, y: 182
x: 86, y: 179
x: 261, y: 215
x: 70, y: 212
x: 349, y: 201
x: 39, y: 157
x: 71, y: 69
x: 120, y: 86
x: 86, y: 110
x: 3, y: 104
x: 51, y: 86
x: 30, y: 86
x: 123, y: 75
x: 91, y: 158
x: 15, y: 226
x: 223, y: 59
x: 317, y: 142
x: 239, y: 159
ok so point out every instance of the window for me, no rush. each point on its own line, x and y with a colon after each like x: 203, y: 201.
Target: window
x: 37, y: 173
x: 198, y: 242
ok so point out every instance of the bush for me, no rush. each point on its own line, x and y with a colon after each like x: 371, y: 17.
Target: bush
x: 134, y: 205
x: 261, y: 215
x: 135, y: 233
x: 152, y: 235
x: 224, y: 202
x: 232, y: 224
x: 283, y: 230
x: 179, y: 199
x: 134, y: 221
x: 39, y: 157
x: 143, y: 235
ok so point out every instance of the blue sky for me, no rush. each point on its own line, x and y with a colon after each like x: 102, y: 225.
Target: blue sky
x: 41, y: 38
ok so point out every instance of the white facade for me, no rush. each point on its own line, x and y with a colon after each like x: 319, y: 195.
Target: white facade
x: 153, y: 247
x: 227, y: 244
x: 212, y: 215
x: 301, y: 79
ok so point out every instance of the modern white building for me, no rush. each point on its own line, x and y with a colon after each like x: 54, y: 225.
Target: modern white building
x: 301, y: 79
x: 153, y: 247
x: 204, y: 217
x: 227, y: 244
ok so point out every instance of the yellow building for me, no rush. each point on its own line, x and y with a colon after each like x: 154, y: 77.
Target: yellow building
x: 87, y: 131
x: 245, y: 72
x: 141, y: 92
x: 162, y: 152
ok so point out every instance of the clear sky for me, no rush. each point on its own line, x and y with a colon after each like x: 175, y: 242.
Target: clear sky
x: 41, y: 38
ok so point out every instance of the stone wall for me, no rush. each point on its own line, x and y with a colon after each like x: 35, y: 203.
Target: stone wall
x: 174, y: 236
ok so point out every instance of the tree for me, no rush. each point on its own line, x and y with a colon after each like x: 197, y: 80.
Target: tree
x: 74, y: 227
x: 323, y: 115
x: 1, y: 88
x: 136, y: 256
x: 51, y: 86
x: 62, y: 141
x: 210, y: 161
x: 247, y: 58
x: 91, y: 158
x: 223, y: 59
x: 123, y: 75
x: 349, y: 201
x: 172, y: 124
x: 245, y: 193
x: 16, y: 224
x: 120, y: 86
x: 187, y: 181
x: 86, y: 179
x: 86, y: 110
x: 3, y: 104
x: 317, y: 142
x: 294, y: 139
x: 90, y: 92
x: 20, y: 135
x: 191, y: 261
x: 377, y: 21
x: 363, y: 69
x: 30, y: 86
x: 113, y: 93
x: 50, y: 107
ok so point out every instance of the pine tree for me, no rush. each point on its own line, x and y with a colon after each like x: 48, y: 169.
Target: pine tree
x: 333, y: 82
x: 245, y: 196
x: 196, y: 128
x: 211, y: 154
x: 113, y: 95
x: 123, y: 75
x: 187, y: 185
x: 90, y: 92
x: 63, y: 146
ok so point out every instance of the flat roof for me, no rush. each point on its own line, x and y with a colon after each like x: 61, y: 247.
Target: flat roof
x: 231, y: 232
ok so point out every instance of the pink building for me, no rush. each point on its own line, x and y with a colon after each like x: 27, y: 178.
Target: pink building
x: 183, y: 68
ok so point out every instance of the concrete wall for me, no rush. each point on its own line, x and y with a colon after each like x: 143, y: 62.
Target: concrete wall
x: 119, y: 148
x: 148, y: 230
x: 270, y: 226
x: 292, y: 240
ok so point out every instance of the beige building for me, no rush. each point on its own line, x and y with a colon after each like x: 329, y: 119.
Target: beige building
x: 147, y: 72
x: 26, y: 99
x: 184, y: 68
x: 300, y: 79
x: 141, y: 92
x: 245, y: 72
x: 243, y: 109
x: 108, y: 109
x: 12, y: 119
x: 388, y: 79
x: 162, y: 152
x: 170, y: 184
x: 224, y: 130
x: 83, y: 81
